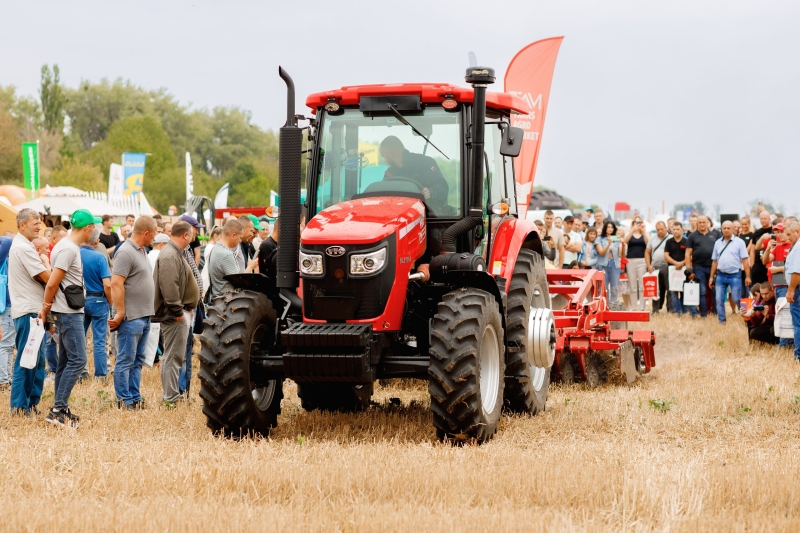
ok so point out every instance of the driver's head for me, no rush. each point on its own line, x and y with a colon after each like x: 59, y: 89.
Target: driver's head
x: 391, y: 150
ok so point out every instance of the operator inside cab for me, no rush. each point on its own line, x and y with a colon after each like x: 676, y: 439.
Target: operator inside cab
x: 416, y: 167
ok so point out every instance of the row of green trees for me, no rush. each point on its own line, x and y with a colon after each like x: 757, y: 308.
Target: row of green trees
x: 82, y: 130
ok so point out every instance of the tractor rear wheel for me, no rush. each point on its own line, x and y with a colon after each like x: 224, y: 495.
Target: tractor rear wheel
x: 467, y: 366
x: 526, y: 383
x: 342, y: 397
x: 238, y: 324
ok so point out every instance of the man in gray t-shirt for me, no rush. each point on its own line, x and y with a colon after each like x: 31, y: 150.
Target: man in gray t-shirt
x: 67, y: 278
x: 27, y: 276
x: 66, y: 256
x: 222, y: 260
x: 133, y: 294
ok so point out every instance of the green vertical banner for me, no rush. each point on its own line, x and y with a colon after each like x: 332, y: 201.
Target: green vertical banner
x: 30, y: 165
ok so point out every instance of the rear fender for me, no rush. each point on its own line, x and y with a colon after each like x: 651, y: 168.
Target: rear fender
x: 478, y: 280
x: 511, y: 235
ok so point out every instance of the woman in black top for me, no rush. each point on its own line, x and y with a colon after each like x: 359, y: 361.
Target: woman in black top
x: 636, y: 241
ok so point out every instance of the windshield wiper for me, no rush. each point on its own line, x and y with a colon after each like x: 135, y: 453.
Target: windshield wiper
x: 407, y: 123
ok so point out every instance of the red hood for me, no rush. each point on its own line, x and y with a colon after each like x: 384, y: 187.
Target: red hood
x: 362, y: 221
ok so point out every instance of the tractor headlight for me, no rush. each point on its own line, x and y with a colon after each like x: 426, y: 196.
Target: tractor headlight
x: 311, y: 264
x: 366, y: 264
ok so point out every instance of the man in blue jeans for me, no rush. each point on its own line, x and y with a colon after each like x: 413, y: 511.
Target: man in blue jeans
x: 792, y: 270
x: 132, y: 296
x: 675, y: 255
x: 64, y: 295
x: 728, y: 260
x: 97, y: 279
x: 699, y: 248
x: 26, y: 278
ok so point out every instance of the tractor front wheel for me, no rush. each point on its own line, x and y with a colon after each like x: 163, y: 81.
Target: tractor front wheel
x: 467, y: 366
x: 238, y: 324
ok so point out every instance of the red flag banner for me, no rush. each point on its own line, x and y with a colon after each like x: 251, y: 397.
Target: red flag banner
x: 529, y: 76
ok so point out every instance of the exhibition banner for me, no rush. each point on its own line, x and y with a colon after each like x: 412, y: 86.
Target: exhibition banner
x: 30, y: 165
x: 529, y: 76
x: 133, y: 168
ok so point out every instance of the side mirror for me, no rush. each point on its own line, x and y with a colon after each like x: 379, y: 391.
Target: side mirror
x: 512, y: 141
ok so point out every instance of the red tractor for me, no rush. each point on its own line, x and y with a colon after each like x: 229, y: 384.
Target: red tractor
x: 413, y: 264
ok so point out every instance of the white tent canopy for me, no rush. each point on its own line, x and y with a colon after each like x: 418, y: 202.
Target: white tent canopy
x: 66, y: 205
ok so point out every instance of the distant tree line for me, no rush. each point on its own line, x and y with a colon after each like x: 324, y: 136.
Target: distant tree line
x: 81, y: 131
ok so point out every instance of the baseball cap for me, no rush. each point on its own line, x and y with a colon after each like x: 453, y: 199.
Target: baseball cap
x: 588, y: 208
x: 82, y: 218
x: 569, y: 218
x: 161, y: 238
x: 191, y: 221
x: 273, y: 212
x: 257, y: 223
x: 778, y: 226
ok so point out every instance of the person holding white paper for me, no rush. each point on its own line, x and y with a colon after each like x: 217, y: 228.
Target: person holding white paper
x: 654, y: 258
x: 27, y: 277
x: 675, y: 256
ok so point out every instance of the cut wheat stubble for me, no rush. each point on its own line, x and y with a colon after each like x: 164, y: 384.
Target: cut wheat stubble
x: 715, y: 450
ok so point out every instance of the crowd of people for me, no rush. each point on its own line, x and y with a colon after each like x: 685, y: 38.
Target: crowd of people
x: 754, y: 270
x: 147, y: 280
x: 153, y: 279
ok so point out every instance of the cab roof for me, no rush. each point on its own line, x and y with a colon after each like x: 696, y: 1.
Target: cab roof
x: 430, y: 93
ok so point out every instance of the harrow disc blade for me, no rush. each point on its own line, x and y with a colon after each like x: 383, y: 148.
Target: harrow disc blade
x: 627, y: 361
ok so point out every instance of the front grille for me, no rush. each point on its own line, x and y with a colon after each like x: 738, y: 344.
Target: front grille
x: 348, y: 298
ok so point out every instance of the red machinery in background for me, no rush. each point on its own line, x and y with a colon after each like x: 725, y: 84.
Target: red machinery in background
x: 591, y: 334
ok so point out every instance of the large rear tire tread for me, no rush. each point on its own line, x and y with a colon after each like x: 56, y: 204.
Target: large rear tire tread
x: 225, y: 385
x: 529, y: 274
x: 459, y: 326
x: 335, y: 397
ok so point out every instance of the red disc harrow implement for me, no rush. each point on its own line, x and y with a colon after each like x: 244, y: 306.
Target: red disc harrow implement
x: 593, y: 337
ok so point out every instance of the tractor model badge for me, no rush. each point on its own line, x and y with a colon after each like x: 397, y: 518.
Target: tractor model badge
x: 335, y: 251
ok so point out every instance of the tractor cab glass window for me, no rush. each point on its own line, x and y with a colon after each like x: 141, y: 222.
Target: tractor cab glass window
x: 366, y: 154
x: 500, y: 176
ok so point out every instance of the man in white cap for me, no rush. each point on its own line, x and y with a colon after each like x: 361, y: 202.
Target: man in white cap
x: 158, y: 243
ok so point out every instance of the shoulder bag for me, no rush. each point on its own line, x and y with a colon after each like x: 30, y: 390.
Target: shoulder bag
x: 74, y: 295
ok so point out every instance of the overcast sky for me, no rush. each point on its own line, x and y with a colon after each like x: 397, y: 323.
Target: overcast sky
x: 652, y: 101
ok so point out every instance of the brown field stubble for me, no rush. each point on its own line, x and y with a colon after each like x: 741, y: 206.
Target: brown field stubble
x: 720, y: 455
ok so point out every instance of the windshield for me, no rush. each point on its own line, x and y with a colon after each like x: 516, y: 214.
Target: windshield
x: 379, y: 155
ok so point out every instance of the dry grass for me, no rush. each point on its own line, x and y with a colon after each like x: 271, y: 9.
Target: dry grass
x: 720, y: 455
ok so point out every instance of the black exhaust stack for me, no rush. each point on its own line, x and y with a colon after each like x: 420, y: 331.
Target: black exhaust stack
x: 289, y: 168
x: 479, y: 78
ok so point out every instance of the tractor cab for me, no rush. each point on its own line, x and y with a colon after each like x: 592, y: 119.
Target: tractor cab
x: 413, y: 140
x: 413, y: 264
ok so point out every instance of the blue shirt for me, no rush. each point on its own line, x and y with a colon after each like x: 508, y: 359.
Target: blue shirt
x: 95, y: 269
x: 791, y: 266
x: 730, y: 261
x: 5, y: 246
